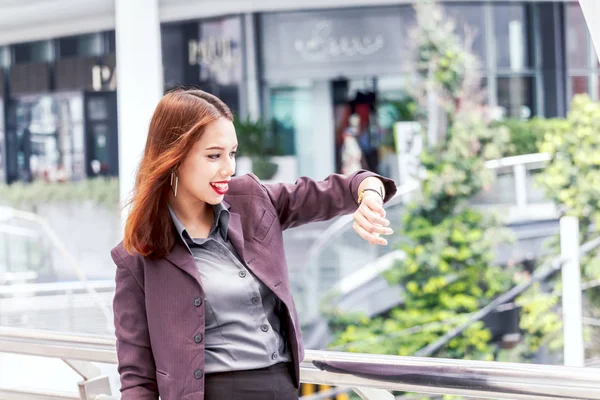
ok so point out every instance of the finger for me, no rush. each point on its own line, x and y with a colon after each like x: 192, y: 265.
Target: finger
x: 376, y: 205
x: 372, y: 216
x: 373, y: 239
x: 367, y: 225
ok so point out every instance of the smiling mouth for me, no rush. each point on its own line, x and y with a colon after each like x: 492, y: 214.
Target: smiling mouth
x: 220, y: 187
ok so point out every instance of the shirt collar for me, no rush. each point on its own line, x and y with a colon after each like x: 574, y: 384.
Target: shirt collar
x: 220, y: 224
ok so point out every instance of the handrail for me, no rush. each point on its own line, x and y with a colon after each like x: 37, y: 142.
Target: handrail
x: 518, y: 160
x: 8, y: 213
x: 414, y: 374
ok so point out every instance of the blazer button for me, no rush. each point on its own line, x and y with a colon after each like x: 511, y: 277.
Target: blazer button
x: 264, y: 328
x: 242, y: 274
x: 198, y: 374
x: 273, y: 356
x: 255, y: 300
x: 197, y: 302
x: 198, y: 338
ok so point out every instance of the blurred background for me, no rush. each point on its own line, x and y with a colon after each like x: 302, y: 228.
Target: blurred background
x: 485, y: 113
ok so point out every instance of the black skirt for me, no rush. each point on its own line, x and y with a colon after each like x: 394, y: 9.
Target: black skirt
x: 271, y: 383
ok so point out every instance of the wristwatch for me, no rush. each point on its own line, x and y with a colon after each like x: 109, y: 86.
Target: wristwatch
x: 361, y: 195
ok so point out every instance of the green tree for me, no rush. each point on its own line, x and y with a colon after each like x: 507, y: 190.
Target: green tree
x: 448, y: 272
x: 572, y: 181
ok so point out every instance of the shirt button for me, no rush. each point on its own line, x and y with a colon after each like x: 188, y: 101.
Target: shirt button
x: 264, y: 328
x: 255, y: 300
x: 197, y: 302
x: 198, y: 374
x: 198, y: 338
x: 242, y: 274
x: 273, y: 356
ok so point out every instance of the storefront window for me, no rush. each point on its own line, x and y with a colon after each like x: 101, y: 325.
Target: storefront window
x: 47, y: 133
x: 469, y: 20
x: 206, y: 54
x: 80, y: 46
x: 516, y: 97
x: 577, y: 38
x: 512, y: 36
x: 291, y: 118
x: 579, y: 84
x: 33, y: 52
x: 2, y: 140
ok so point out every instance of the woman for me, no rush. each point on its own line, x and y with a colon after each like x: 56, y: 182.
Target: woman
x: 203, y: 308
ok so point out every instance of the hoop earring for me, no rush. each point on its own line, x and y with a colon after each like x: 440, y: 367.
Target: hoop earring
x: 175, y: 178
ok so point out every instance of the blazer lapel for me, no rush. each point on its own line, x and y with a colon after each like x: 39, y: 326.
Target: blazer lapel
x: 236, y: 234
x: 180, y: 257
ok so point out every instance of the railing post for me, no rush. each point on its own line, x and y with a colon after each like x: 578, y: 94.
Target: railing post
x: 373, y: 394
x: 520, y: 173
x: 92, y: 388
x: 571, y: 290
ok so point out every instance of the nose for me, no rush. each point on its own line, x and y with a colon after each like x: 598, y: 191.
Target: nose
x: 229, y: 167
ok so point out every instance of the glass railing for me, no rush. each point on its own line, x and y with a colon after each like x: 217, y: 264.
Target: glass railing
x: 339, y: 252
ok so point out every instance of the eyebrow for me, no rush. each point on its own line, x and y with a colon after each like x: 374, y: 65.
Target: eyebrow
x: 218, y: 147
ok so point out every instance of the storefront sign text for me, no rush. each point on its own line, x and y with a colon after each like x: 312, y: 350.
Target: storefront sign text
x: 323, y: 44
x: 104, y: 78
x: 216, y: 54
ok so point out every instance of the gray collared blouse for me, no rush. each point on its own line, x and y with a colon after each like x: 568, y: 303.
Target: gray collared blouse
x: 243, y: 329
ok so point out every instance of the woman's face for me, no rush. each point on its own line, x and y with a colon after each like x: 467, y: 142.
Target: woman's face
x: 205, y: 172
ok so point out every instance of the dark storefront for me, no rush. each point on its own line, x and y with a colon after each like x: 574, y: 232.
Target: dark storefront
x: 62, y: 112
x: 2, y: 134
x: 206, y: 54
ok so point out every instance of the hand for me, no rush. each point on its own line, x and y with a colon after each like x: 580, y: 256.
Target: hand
x: 369, y: 220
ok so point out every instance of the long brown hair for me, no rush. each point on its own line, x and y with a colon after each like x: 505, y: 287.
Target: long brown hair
x: 178, y: 122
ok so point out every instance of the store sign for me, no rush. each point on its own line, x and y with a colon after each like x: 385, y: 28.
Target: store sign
x: 331, y: 43
x: 214, y: 53
x: 104, y: 78
x: 323, y: 43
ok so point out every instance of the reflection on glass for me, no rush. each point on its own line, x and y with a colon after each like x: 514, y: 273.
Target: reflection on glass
x: 469, y: 20
x: 577, y: 37
x: 2, y: 160
x: 49, y: 137
x: 97, y: 109
x: 100, y: 133
x: 579, y: 84
x: 291, y: 116
x: 516, y: 97
x: 512, y: 34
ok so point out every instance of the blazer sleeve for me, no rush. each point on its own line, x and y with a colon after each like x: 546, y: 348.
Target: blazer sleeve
x: 308, y: 200
x: 136, y: 362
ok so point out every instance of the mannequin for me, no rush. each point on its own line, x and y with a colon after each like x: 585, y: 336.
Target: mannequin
x: 352, y: 157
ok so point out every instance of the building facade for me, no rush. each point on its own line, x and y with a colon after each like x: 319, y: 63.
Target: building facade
x: 311, y: 70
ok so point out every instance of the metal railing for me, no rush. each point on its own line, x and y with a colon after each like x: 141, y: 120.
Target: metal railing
x: 9, y: 214
x: 371, y: 376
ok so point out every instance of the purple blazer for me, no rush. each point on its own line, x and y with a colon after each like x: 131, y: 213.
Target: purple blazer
x: 158, y: 307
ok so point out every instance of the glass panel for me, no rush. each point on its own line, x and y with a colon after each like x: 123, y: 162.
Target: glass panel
x: 2, y: 160
x: 579, y: 84
x: 577, y: 37
x: 101, y: 156
x: 470, y: 23
x: 516, y: 97
x: 33, y: 52
x: 4, y: 56
x: 49, y: 137
x: 512, y: 36
x: 80, y: 46
x: 291, y: 109
x: 97, y: 109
